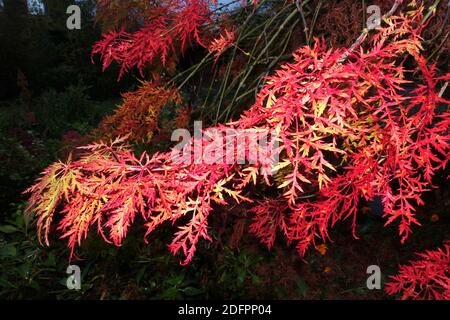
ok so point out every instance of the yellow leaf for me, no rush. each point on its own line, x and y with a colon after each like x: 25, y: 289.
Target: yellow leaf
x: 281, y: 165
x: 270, y: 101
x: 320, y: 108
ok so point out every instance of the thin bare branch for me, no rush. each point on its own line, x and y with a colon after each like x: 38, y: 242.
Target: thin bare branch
x: 366, y: 31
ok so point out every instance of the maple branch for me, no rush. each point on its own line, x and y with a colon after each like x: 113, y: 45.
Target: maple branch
x: 443, y: 24
x: 430, y: 11
x: 299, y: 6
x: 439, y: 47
x: 365, y: 32
x: 444, y: 87
x: 316, y: 14
x: 224, y: 6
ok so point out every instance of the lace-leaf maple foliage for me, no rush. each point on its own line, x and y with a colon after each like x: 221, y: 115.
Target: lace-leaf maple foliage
x: 427, y: 278
x: 167, y: 28
x: 137, y: 117
x: 355, y: 121
x: 346, y: 130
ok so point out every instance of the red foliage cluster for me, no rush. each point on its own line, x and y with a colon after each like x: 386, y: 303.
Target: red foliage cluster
x: 217, y: 46
x: 168, y: 27
x: 349, y: 16
x: 356, y: 122
x: 109, y: 186
x: 425, y: 279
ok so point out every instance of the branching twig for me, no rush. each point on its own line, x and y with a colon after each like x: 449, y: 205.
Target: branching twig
x: 299, y: 5
x: 444, y: 87
x: 431, y: 11
x: 443, y: 24
x: 439, y: 46
x: 365, y: 32
x: 314, y: 21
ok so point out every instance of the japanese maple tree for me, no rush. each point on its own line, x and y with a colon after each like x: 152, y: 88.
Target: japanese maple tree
x: 347, y: 128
